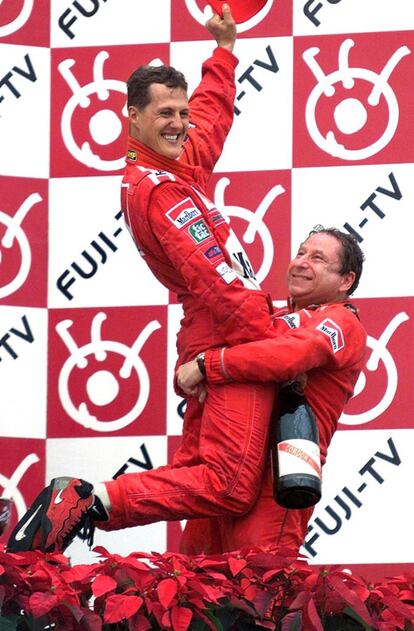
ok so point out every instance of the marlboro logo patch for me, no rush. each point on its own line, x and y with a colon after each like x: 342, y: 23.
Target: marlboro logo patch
x: 184, y: 212
x: 334, y: 332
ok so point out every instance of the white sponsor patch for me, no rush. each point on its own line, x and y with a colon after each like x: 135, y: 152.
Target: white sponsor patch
x: 334, y: 332
x: 292, y: 319
x: 184, y: 212
x: 226, y: 272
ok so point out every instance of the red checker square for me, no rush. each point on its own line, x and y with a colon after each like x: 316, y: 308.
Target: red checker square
x: 260, y: 217
x: 174, y: 528
x: 107, y: 372
x: 23, y: 241
x: 187, y: 20
x: 22, y: 475
x: 383, y: 396
x: 88, y: 113
x: 25, y: 22
x: 353, y: 99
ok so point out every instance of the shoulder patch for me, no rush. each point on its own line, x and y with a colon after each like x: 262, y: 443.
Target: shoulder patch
x: 292, y: 320
x: 182, y: 213
x: 329, y: 328
x: 199, y: 231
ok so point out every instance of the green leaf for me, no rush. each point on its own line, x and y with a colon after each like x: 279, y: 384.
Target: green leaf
x: 9, y: 623
x: 343, y: 622
x: 211, y: 616
x: 198, y: 625
x: 227, y: 616
x: 353, y: 614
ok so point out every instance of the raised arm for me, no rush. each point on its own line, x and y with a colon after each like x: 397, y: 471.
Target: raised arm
x: 223, y: 29
x: 212, y: 102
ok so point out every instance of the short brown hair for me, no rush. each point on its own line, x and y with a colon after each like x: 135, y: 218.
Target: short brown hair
x: 141, y: 79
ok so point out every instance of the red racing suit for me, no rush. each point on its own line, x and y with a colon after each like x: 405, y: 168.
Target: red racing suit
x: 327, y: 343
x: 190, y: 248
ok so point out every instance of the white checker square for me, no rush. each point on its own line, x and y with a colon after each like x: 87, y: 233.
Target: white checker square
x: 109, y: 23
x: 261, y: 136
x: 351, y: 16
x: 24, y: 110
x: 365, y: 490
x: 93, y: 260
x: 375, y: 202
x: 23, y: 374
x: 97, y: 460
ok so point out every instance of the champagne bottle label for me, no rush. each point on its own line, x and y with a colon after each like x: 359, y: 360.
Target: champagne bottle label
x: 299, y: 456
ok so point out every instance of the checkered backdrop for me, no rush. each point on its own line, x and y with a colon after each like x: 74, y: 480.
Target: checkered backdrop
x: 323, y: 133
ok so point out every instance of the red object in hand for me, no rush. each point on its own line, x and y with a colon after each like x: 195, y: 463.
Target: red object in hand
x: 241, y: 10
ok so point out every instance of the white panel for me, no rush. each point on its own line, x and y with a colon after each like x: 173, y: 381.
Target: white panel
x: 81, y: 211
x: 98, y: 459
x: 366, y: 483
x: 23, y: 376
x: 24, y: 110
x: 333, y: 196
x: 106, y: 22
x: 261, y: 136
x: 351, y: 16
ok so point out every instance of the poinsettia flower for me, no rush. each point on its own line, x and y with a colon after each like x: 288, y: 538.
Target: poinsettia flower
x: 41, y: 603
x: 167, y: 591
x: 181, y: 618
x: 119, y: 607
x: 103, y: 585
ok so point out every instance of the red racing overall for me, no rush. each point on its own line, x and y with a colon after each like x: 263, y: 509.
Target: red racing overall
x: 189, y: 247
x: 326, y: 342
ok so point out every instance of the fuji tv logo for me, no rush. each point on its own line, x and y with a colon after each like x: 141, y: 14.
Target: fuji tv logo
x: 104, y: 378
x: 105, y: 125
x: 352, y: 112
x: 17, y: 22
x: 15, y: 250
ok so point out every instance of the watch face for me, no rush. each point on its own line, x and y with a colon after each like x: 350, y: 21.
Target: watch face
x: 200, y: 359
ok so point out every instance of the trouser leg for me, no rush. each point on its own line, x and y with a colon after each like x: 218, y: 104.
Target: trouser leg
x: 266, y: 524
x: 233, y: 442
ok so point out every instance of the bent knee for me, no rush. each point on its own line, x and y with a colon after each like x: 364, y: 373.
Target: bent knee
x: 239, y: 501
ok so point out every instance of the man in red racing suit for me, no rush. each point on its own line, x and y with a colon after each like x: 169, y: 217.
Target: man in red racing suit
x: 190, y: 248
x: 326, y: 342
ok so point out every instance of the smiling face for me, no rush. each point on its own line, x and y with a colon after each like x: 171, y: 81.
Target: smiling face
x: 314, y: 275
x: 162, y: 125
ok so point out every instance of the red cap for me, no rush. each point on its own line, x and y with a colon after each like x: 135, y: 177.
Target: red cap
x: 241, y: 10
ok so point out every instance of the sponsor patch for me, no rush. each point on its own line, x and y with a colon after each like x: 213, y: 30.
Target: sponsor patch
x: 184, y: 212
x: 292, y: 320
x: 226, y: 272
x: 199, y: 232
x: 132, y: 155
x: 212, y: 252
x: 334, y: 332
x: 217, y: 218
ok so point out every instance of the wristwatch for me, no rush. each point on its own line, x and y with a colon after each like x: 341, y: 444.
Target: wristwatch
x: 201, y: 359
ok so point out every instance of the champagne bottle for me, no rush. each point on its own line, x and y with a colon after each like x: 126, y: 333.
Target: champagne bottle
x: 295, y: 454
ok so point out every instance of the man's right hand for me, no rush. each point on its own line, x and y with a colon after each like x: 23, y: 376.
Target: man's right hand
x: 223, y: 29
x: 189, y: 379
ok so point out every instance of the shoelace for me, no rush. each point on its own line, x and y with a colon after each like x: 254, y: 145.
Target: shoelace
x: 84, y: 529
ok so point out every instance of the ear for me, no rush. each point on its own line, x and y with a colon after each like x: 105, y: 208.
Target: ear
x: 133, y: 115
x: 347, y: 282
